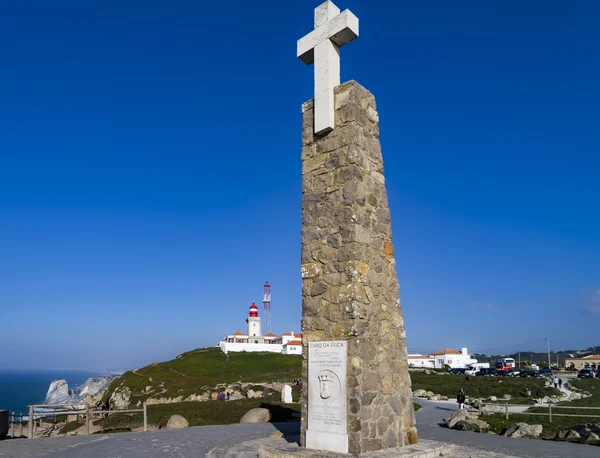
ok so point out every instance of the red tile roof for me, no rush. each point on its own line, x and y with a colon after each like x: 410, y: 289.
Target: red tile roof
x: 239, y: 334
x: 295, y: 343
x: 418, y: 357
x: 592, y: 357
x: 270, y: 335
x: 446, y: 352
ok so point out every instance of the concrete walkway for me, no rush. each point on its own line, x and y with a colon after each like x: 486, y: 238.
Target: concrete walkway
x: 196, y: 442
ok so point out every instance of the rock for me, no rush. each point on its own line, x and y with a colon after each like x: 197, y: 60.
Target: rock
x: 592, y: 439
x: 458, y: 415
x: 428, y: 394
x: 3, y: 424
x: 574, y: 396
x: 524, y: 430
x: 478, y: 426
x: 443, y: 398
x: 277, y: 434
x: 177, y: 422
x: 547, y: 384
x: 506, y: 397
x: 121, y: 397
x: 435, y: 397
x: 418, y: 393
x: 258, y: 415
x: 286, y: 394
x: 493, y: 399
x: 490, y: 408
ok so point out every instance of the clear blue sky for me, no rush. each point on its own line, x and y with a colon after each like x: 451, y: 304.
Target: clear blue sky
x: 150, y: 171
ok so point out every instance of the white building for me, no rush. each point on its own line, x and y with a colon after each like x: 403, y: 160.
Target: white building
x: 254, y: 341
x: 453, y: 358
x: 439, y: 359
x: 421, y: 361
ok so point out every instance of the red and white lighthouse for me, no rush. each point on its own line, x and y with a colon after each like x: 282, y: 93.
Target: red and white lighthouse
x: 253, y: 321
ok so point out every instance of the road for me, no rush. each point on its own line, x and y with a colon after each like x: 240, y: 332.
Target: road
x: 196, y: 442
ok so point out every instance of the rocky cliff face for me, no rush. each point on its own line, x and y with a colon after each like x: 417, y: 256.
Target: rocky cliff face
x: 59, y: 392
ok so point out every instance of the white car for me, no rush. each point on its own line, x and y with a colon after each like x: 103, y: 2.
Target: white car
x: 471, y: 370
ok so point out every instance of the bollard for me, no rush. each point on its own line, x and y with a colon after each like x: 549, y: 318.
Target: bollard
x: 507, y: 410
x: 145, y: 417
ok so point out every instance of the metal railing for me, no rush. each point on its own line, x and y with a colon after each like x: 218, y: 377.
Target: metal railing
x: 54, y: 410
x: 549, y: 414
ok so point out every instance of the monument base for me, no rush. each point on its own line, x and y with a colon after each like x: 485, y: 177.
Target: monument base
x: 317, y: 440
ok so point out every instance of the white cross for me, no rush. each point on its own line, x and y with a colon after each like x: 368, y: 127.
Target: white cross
x: 322, y: 47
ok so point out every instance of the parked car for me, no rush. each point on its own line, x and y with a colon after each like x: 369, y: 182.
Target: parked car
x: 585, y: 373
x: 528, y: 373
x: 457, y: 371
x: 510, y: 373
x: 544, y: 373
x: 489, y: 372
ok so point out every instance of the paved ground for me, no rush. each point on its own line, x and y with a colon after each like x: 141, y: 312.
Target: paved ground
x: 196, y: 442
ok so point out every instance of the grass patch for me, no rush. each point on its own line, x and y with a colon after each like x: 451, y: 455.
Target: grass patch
x: 481, y: 387
x: 416, y: 406
x: 591, y: 386
x: 68, y: 427
x: 198, y: 371
x: 201, y: 413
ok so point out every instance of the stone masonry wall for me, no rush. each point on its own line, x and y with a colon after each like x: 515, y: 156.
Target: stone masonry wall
x: 350, y: 288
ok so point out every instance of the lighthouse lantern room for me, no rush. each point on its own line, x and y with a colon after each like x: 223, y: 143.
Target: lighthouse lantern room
x: 253, y: 321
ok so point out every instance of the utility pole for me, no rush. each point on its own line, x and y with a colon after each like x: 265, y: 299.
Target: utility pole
x: 519, y: 360
x: 549, y: 362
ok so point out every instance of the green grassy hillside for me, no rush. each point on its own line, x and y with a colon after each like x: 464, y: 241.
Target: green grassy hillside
x: 200, y: 370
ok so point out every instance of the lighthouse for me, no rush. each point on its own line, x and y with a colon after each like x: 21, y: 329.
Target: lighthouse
x: 253, y: 321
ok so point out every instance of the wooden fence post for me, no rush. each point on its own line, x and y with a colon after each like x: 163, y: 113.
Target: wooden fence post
x: 145, y: 417
x: 12, y: 423
x: 507, y: 410
x: 30, y: 423
x: 550, y: 412
x: 87, y: 420
x: 21, y: 424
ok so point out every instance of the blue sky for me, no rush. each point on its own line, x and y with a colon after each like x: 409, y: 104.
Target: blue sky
x: 150, y: 178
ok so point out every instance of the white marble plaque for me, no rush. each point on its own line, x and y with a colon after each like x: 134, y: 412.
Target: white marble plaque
x: 327, y: 396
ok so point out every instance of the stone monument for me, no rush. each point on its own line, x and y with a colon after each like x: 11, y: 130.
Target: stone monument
x: 357, y: 391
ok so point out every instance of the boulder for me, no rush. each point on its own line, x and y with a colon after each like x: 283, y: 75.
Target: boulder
x: 487, y: 409
x: 419, y: 393
x: 478, y: 426
x: 286, y: 394
x: 3, y: 424
x: 121, y: 397
x: 458, y: 415
x: 574, y: 396
x: 428, y: 394
x: 258, y: 415
x: 506, y: 397
x: 435, y: 397
x: 524, y: 430
x: 177, y: 422
x: 493, y: 399
x: 592, y: 439
x: 443, y: 398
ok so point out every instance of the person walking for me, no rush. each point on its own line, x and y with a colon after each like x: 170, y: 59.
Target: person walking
x: 556, y: 381
x: 560, y: 383
x: 460, y: 399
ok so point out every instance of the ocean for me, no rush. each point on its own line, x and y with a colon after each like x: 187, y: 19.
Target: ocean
x: 18, y: 389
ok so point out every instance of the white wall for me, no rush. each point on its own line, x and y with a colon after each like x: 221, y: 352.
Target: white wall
x: 226, y: 347
x: 454, y: 361
x: 292, y: 350
x: 421, y: 362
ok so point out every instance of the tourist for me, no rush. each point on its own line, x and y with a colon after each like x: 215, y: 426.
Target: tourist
x: 228, y: 395
x: 560, y: 383
x: 460, y: 399
x: 556, y: 381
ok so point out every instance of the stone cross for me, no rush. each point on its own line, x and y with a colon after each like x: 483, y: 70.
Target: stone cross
x: 322, y: 47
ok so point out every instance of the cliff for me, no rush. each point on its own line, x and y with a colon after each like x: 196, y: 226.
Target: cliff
x: 59, y: 392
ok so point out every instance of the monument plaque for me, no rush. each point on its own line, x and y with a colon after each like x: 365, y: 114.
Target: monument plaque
x: 327, y: 396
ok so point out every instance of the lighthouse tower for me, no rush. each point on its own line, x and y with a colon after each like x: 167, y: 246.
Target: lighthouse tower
x: 253, y: 321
